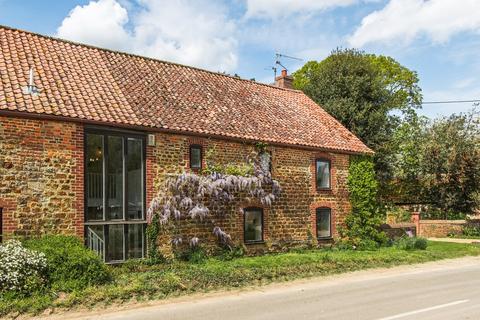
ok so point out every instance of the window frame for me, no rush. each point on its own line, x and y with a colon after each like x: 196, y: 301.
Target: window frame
x: 330, y: 236
x: 319, y: 188
x: 262, y: 214
x: 126, y: 220
x: 195, y: 146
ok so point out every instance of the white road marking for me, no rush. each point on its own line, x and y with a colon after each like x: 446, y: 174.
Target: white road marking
x: 411, y: 313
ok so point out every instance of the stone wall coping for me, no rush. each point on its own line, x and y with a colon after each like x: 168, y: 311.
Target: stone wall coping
x: 443, y: 222
x: 402, y: 225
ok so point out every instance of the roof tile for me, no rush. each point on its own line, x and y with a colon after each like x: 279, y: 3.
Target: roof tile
x: 85, y: 82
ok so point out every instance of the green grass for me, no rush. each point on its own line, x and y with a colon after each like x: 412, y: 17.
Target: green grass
x: 462, y: 236
x: 139, y: 282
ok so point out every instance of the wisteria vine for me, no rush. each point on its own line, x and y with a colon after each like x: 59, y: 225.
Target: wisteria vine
x: 198, y: 197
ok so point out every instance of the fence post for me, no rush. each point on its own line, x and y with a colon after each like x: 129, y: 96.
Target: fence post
x: 416, y: 219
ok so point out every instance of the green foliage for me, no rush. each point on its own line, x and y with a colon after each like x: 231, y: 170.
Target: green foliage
x: 438, y: 214
x: 243, y: 169
x: 363, y: 91
x: 411, y: 243
x: 363, y: 223
x: 261, y: 146
x: 140, y: 281
x: 471, y: 230
x: 71, y: 266
x: 152, y: 232
x: 451, y: 168
x: 193, y: 254
x: 407, y: 159
x: 438, y: 162
x: 397, y: 214
x: 232, y: 252
x: 34, y: 302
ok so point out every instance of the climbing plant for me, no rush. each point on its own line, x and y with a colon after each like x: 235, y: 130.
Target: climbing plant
x: 203, y: 196
x: 362, y: 228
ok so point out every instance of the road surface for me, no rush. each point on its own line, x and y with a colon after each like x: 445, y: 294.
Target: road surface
x: 440, y: 290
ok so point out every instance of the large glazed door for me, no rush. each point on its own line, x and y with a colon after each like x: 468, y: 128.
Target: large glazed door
x: 115, y: 195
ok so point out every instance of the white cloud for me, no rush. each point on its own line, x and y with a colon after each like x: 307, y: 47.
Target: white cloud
x: 189, y: 31
x: 193, y: 32
x: 405, y: 20
x: 282, y: 8
x: 98, y: 23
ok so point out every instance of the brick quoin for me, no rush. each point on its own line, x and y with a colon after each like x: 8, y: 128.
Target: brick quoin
x: 42, y: 182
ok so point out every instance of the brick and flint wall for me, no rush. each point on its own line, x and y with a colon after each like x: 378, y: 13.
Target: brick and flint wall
x: 41, y: 182
x: 41, y: 177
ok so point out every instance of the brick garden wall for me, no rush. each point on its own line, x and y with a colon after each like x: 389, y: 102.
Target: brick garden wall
x: 41, y: 183
x: 41, y: 177
x: 440, y: 228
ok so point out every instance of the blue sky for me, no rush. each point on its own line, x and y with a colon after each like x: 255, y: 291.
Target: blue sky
x: 440, y: 39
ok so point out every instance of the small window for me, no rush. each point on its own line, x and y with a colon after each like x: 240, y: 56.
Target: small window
x: 322, y: 174
x: 324, y: 223
x: 195, y: 157
x: 253, y: 231
x: 265, y: 158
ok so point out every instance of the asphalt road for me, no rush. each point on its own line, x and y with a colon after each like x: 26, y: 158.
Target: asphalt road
x: 440, y: 290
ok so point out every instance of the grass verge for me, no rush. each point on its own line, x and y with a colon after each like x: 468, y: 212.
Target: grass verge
x: 140, y: 282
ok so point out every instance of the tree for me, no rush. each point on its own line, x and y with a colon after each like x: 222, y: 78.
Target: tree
x: 406, y: 160
x: 451, y: 163
x: 366, y: 93
x: 438, y: 162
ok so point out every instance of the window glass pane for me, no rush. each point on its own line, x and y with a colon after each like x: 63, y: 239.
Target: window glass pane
x: 323, y: 223
x: 196, y: 157
x: 115, y: 250
x: 134, y: 178
x: 96, y: 240
x: 135, y: 241
x: 253, y: 225
x: 94, y: 177
x: 323, y: 174
x: 265, y: 162
x: 115, y: 178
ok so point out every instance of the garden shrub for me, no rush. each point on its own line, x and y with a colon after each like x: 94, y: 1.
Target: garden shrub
x: 194, y: 254
x: 411, y: 243
x: 362, y: 229
x: 230, y: 253
x: 471, y: 230
x: 21, y: 270
x: 71, y: 266
x: 437, y: 214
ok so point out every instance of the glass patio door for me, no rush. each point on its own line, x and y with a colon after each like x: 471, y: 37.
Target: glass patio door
x: 115, y: 195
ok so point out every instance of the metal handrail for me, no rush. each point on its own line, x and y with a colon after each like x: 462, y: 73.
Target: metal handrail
x: 96, y: 243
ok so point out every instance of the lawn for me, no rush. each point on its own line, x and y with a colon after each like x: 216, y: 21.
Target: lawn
x: 139, y: 282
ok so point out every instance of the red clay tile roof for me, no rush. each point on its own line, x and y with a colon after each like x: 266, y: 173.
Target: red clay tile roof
x: 88, y: 83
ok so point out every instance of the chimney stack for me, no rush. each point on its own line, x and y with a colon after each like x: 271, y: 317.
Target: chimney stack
x: 284, y: 80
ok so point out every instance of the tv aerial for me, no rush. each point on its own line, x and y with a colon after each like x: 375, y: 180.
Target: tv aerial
x: 278, y: 63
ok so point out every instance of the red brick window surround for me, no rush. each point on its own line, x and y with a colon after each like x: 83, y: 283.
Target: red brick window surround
x: 314, y: 207
x: 323, y: 174
x: 253, y: 225
x: 323, y: 222
x: 195, y: 157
